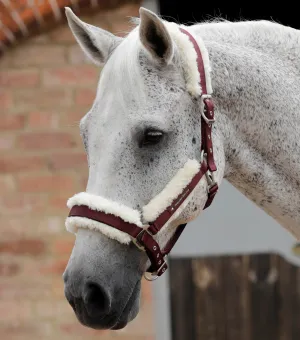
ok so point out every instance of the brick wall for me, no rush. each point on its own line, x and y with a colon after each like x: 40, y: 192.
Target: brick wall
x: 46, y: 86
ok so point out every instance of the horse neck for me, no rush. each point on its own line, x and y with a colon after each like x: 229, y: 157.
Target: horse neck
x: 256, y: 88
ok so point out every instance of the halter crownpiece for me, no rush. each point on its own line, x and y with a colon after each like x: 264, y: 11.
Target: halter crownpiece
x: 124, y: 224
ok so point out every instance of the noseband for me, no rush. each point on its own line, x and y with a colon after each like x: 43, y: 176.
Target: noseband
x: 143, y: 237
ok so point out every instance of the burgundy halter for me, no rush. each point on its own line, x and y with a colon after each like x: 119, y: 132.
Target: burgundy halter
x: 143, y: 238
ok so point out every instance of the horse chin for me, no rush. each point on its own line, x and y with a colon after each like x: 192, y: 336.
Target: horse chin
x: 130, y: 311
x: 115, y: 319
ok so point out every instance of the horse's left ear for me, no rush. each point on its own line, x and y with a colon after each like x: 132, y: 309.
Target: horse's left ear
x: 155, y: 37
x: 97, y: 43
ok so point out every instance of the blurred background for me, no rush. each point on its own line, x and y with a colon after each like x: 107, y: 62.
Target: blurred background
x: 46, y: 86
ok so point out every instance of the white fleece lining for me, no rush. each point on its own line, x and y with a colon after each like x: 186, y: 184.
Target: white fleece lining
x: 99, y: 203
x: 172, y: 190
x: 76, y: 222
x: 189, y: 56
x: 150, y: 211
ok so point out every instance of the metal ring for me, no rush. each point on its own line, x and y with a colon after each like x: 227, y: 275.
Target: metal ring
x: 151, y: 277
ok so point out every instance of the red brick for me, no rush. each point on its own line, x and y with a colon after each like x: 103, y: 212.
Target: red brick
x: 85, y: 97
x: 147, y: 294
x: 42, y: 120
x: 125, y: 11
x: 71, y: 75
x: 9, y: 312
x: 19, y: 78
x: 12, y: 122
x: 63, y: 246
x: 39, y: 39
x: 121, y: 25
x: 9, y: 269
x: 52, y: 309
x: 72, y: 118
x: 5, y: 60
x: 83, y: 181
x: 62, y: 35
x: 7, y: 142
x: 75, y: 329
x: 7, y: 184
x: 22, y: 204
x: 77, y: 57
x: 54, y: 267
x: 67, y: 161
x: 32, y: 225
x: 59, y: 201
x: 32, y: 55
x: 54, y: 224
x: 13, y: 227
x: 33, y: 289
x: 23, y: 246
x: 143, y: 336
x: 143, y: 321
x: 57, y: 287
x: 46, y: 140
x: 103, y: 19
x: 17, y: 328
x: 45, y: 183
x: 27, y: 99
x: 19, y: 163
x: 5, y: 99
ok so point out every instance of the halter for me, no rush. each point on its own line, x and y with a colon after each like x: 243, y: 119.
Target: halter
x: 143, y: 236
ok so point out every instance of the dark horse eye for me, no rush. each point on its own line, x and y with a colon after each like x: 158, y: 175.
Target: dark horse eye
x: 151, y: 137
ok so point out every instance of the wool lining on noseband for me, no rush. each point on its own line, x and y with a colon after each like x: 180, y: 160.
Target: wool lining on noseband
x: 161, y: 201
x: 98, y: 213
x: 149, y: 212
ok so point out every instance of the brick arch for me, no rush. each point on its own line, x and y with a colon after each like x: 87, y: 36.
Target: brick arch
x: 20, y: 19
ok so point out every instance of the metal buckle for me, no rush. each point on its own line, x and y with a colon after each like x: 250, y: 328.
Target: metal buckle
x: 150, y: 277
x: 210, y: 176
x: 136, y: 241
x: 153, y: 276
x: 211, y: 181
x: 209, y: 121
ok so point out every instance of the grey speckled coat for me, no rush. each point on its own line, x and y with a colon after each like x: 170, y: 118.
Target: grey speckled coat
x: 255, y: 80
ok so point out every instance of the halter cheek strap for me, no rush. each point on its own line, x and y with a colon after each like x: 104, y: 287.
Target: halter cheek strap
x: 143, y: 236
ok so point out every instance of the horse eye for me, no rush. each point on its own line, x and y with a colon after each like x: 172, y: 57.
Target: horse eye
x: 151, y: 137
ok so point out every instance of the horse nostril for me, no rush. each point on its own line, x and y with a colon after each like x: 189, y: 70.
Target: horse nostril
x: 96, y: 300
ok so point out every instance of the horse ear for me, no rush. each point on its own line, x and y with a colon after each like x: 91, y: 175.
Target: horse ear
x: 96, y: 43
x: 155, y: 37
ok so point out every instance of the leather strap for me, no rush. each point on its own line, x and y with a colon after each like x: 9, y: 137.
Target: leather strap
x: 108, y: 219
x: 163, y: 218
x: 200, y: 62
x: 206, y: 138
x: 143, y: 237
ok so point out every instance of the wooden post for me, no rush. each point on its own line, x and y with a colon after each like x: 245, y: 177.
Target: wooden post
x: 253, y: 297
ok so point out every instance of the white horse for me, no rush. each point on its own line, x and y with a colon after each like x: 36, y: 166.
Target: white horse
x: 144, y: 126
